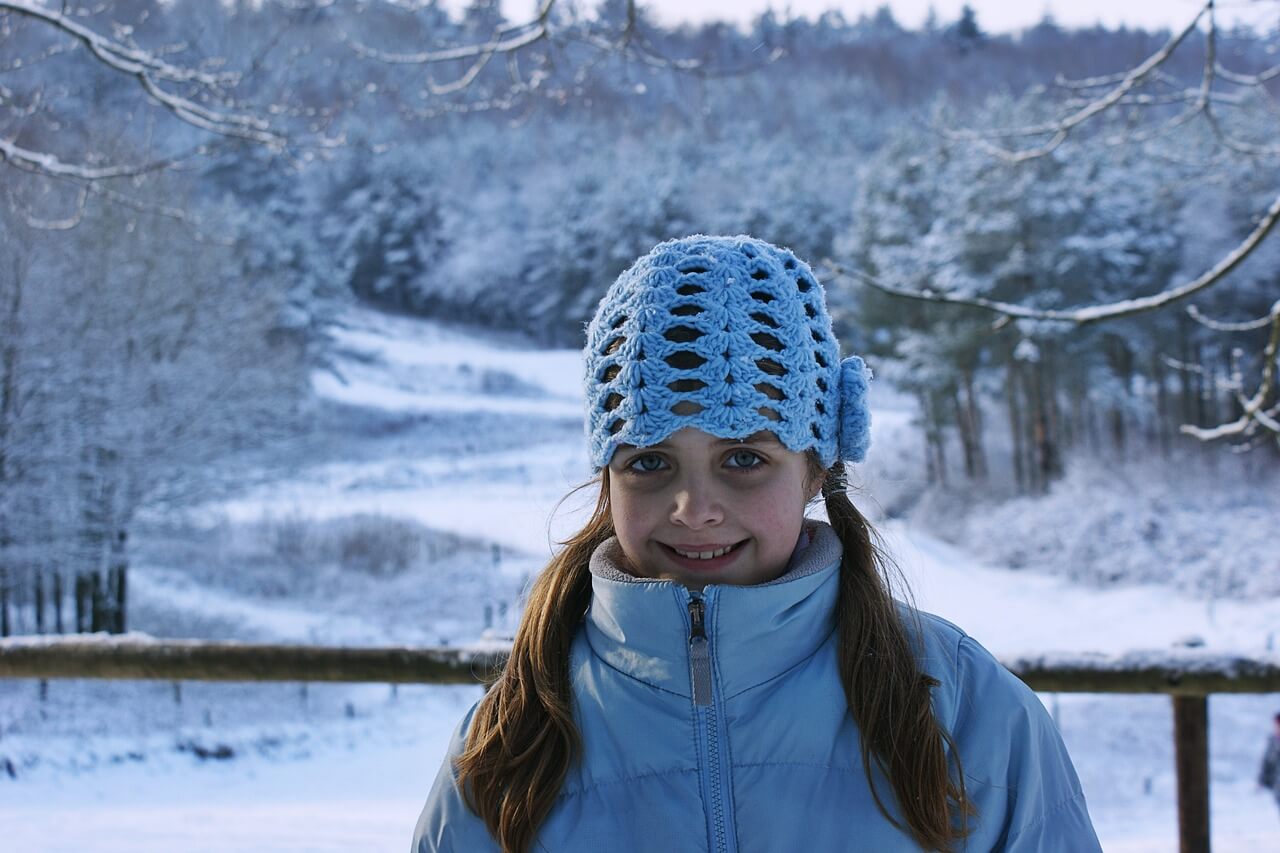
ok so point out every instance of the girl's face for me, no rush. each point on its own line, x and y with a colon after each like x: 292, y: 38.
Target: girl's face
x: 697, y: 509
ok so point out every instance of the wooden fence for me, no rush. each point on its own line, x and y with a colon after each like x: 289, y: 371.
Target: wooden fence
x: 1188, y: 677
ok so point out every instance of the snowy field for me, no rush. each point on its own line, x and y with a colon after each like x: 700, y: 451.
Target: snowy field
x: 487, y: 443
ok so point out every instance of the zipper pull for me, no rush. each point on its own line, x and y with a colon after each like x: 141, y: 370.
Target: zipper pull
x: 699, y: 653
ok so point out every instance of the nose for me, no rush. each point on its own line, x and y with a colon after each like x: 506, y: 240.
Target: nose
x: 696, y: 504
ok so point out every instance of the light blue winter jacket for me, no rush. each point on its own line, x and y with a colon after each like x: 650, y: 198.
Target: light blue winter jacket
x: 742, y: 741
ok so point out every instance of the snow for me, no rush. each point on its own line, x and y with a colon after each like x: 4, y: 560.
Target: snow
x: 1015, y: 613
x: 114, y: 766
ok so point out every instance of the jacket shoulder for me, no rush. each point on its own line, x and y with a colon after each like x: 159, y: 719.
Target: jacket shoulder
x: 446, y: 823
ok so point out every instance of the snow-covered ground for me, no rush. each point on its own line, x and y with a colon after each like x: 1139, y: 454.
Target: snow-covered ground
x: 103, y: 767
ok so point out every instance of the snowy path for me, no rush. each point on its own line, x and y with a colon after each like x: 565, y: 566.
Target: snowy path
x: 358, y: 784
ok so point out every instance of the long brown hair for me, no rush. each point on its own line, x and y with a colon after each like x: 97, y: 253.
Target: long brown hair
x: 523, y: 740
x: 888, y: 694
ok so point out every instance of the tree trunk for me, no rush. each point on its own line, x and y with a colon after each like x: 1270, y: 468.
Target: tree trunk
x: 965, y: 430
x: 39, y: 602
x: 4, y: 603
x: 1163, y: 426
x: 1011, y: 393
x: 1052, y: 455
x: 57, y: 601
x: 935, y: 451
x: 973, y: 417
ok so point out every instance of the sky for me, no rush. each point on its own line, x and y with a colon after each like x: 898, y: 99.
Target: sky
x: 993, y: 15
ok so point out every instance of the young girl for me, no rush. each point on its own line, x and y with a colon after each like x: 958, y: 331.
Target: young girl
x: 702, y: 667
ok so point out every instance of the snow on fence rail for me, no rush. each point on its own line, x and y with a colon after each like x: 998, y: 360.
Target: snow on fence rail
x: 1184, y: 672
x: 1188, y: 676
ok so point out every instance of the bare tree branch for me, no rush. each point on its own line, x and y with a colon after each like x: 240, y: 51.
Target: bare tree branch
x: 1254, y: 413
x: 1059, y: 131
x: 149, y: 69
x: 47, y: 164
x: 1219, y: 326
x: 1092, y: 313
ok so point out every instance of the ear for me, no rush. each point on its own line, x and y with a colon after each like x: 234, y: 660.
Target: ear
x: 813, y: 486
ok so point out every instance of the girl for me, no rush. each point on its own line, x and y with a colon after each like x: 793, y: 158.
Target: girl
x: 702, y: 667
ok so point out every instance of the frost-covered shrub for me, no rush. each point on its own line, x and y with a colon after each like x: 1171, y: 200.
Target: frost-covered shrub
x: 377, y: 545
x: 1208, y: 536
x: 288, y: 538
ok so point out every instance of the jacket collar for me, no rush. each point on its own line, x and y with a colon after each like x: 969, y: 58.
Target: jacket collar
x: 641, y: 626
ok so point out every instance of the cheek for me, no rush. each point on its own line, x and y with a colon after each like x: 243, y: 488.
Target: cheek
x: 631, y: 516
x: 779, y: 509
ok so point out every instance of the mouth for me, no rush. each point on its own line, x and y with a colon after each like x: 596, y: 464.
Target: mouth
x: 704, y: 557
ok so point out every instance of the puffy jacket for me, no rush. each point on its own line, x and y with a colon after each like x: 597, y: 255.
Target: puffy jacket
x: 716, y: 722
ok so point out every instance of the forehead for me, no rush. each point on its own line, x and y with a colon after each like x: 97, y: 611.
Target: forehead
x: 692, y: 438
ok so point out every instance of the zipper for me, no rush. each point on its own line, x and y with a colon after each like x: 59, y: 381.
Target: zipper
x: 699, y: 652
x: 708, y: 719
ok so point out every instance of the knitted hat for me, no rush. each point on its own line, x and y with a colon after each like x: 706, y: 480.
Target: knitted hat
x: 729, y: 335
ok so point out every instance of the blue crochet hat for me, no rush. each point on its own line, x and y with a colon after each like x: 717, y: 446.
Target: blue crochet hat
x: 729, y: 335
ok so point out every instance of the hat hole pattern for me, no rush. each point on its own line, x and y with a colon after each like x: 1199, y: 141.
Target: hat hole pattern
x: 685, y: 360
x: 727, y: 349
x: 771, y: 367
x: 767, y: 341
x: 681, y: 334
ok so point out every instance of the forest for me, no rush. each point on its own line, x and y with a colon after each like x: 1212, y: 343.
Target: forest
x: 193, y: 191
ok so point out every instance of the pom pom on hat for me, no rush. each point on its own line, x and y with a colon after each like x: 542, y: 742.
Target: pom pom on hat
x: 855, y: 416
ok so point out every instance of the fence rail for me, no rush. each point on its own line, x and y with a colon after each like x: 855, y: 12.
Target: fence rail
x: 1189, y: 677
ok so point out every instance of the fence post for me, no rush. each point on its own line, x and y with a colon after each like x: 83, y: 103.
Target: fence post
x: 1191, y: 741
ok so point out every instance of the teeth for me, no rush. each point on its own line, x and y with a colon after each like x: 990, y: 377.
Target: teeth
x: 704, y: 555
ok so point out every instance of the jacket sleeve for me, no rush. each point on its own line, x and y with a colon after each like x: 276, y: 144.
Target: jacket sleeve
x: 446, y: 824
x: 1016, y: 767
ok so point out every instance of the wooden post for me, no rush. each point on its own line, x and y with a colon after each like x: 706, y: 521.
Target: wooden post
x: 1191, y: 739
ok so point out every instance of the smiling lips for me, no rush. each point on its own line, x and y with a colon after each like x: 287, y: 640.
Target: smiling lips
x: 703, y: 552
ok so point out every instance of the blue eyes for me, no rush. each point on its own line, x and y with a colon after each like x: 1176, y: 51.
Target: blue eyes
x: 652, y: 463
x: 745, y: 459
x: 646, y: 463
